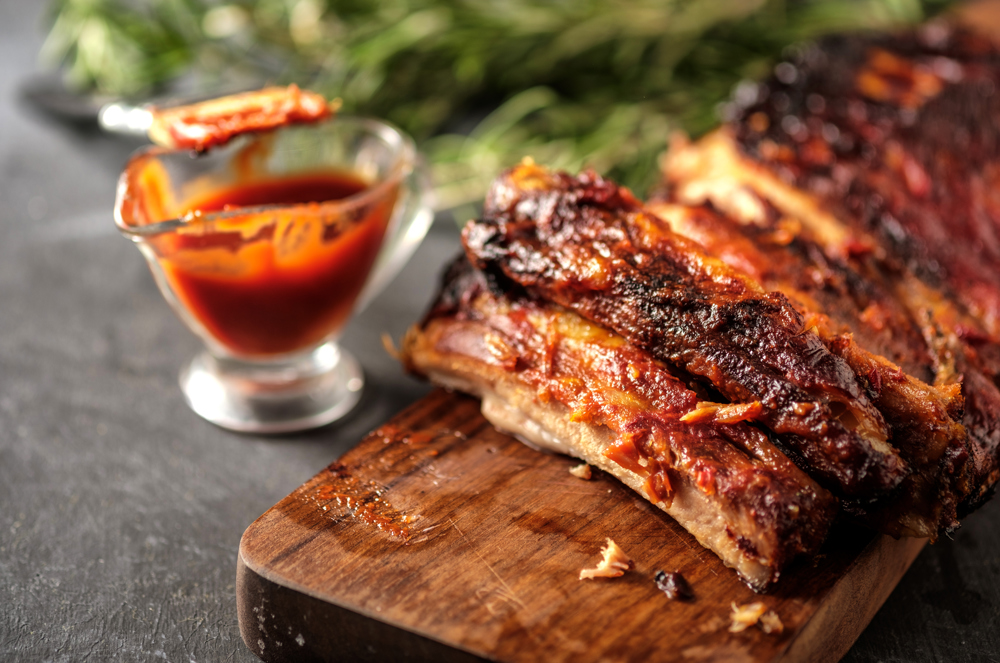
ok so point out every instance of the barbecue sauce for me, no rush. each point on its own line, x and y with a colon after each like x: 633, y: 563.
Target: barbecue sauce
x: 286, y: 278
x: 308, y: 188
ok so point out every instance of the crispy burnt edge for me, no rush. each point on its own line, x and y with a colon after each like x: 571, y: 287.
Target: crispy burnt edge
x: 911, y: 124
x: 897, y: 136
x: 587, y: 244
x: 478, y: 337
x: 851, y: 305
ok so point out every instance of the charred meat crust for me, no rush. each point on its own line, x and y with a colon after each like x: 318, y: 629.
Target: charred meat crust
x: 899, y: 137
x: 588, y: 245
x: 852, y: 307
x: 771, y: 511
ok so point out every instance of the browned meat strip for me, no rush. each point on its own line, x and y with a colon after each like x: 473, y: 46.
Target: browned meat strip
x: 852, y: 306
x: 587, y: 245
x: 207, y: 124
x: 563, y: 383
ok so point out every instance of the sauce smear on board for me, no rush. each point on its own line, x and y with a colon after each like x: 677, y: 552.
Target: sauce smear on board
x: 281, y: 280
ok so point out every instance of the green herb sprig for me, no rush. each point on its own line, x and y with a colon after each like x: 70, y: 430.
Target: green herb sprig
x: 597, y: 83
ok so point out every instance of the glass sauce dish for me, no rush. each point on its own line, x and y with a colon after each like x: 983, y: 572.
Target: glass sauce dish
x: 264, y: 248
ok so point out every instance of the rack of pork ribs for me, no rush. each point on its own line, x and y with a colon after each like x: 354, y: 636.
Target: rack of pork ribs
x: 801, y: 325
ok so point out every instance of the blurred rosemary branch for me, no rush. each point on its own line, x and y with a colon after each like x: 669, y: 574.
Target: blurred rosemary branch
x: 590, y: 82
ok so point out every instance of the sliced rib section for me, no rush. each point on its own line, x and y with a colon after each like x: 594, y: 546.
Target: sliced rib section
x: 852, y: 307
x: 565, y: 384
x: 587, y: 245
x: 886, y: 149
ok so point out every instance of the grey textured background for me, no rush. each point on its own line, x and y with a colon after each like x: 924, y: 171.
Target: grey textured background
x: 121, y: 511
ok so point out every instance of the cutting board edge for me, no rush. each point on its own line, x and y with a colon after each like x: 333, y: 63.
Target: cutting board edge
x: 877, y: 570
x: 279, y: 583
x: 825, y: 637
x: 302, y: 633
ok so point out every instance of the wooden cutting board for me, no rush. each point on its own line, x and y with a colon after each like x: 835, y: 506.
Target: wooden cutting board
x: 438, y: 538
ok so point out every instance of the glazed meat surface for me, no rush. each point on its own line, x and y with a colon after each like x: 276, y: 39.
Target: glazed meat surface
x: 884, y: 152
x: 858, y: 318
x: 900, y: 137
x: 561, y: 382
x: 587, y: 245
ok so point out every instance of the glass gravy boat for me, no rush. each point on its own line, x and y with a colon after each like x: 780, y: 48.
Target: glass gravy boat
x: 264, y: 248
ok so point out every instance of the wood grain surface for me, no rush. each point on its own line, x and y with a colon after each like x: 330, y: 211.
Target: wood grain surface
x: 438, y: 537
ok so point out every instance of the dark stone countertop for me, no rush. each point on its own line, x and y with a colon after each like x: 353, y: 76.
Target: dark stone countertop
x: 121, y: 511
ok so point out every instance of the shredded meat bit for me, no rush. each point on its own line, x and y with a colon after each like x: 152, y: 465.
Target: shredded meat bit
x: 581, y: 471
x: 770, y: 622
x: 723, y: 414
x: 745, y: 616
x: 615, y: 563
x: 390, y: 347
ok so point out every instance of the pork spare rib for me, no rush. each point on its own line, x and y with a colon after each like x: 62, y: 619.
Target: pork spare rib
x: 803, y: 322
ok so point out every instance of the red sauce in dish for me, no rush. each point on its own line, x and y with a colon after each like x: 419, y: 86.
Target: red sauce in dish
x: 309, y: 188
x: 284, y: 281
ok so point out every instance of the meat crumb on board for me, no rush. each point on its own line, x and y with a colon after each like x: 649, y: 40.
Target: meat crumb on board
x: 771, y: 623
x: 745, y: 616
x: 614, y: 563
